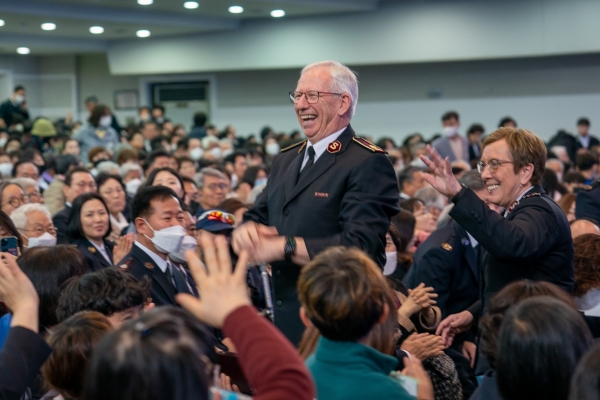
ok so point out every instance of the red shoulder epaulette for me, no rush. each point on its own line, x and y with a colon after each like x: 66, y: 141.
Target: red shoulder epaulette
x: 367, y: 145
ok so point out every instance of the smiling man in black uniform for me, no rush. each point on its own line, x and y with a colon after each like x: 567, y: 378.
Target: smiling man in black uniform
x: 329, y: 190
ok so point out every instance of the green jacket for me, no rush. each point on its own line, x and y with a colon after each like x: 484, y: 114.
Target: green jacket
x: 351, y: 370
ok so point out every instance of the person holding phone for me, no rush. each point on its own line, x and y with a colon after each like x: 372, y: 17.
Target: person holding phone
x: 88, y: 228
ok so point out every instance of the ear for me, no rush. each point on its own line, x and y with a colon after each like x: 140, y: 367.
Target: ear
x: 384, y: 314
x: 142, y: 227
x: 526, y: 174
x: 304, y: 318
x: 344, y: 105
x: 65, y: 190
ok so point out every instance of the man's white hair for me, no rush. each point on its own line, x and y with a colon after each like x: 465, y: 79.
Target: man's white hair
x: 555, y: 161
x: 26, y: 183
x: 343, y: 80
x: 19, y: 216
x: 128, y: 167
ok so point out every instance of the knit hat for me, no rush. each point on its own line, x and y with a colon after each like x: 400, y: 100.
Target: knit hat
x: 43, y: 127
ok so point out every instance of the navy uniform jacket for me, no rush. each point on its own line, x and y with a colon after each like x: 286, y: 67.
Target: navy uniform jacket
x: 346, y: 199
x: 447, y: 262
x: 94, y: 260
x: 60, y: 221
x: 587, y: 203
x: 532, y: 242
x: 140, y: 264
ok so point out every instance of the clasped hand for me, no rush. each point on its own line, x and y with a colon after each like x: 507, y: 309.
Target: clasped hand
x: 262, y: 242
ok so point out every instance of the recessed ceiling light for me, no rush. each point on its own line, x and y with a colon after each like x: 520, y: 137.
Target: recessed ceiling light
x: 143, y: 33
x: 23, y: 50
x: 236, y: 9
x: 190, y: 5
x: 145, y: 2
x: 1, y: 22
x: 277, y: 13
x: 96, y: 30
x: 48, y: 26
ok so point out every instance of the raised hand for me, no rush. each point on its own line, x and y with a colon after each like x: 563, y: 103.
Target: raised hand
x: 18, y: 293
x: 123, y: 247
x: 222, y: 291
x: 441, y: 177
x: 423, y: 296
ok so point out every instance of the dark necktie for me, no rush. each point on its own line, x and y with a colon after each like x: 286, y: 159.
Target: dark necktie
x: 178, y: 280
x: 309, y: 163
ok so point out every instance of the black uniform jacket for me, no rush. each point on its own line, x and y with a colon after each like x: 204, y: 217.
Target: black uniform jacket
x: 60, y: 221
x: 346, y: 199
x: 140, y: 264
x: 532, y: 242
x: 587, y: 203
x: 94, y: 260
x: 447, y: 262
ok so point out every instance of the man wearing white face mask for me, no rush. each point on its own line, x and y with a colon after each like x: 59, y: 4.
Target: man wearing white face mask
x: 34, y: 223
x: 159, y: 220
x: 451, y: 144
x: 13, y: 111
x: 98, y: 133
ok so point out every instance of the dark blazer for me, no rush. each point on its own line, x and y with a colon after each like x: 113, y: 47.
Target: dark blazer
x: 593, y: 142
x: 93, y: 258
x: 346, y: 199
x: 60, y: 221
x: 532, y: 242
x: 474, y: 151
x: 140, y: 264
x: 587, y: 203
x: 21, y: 358
x: 442, y: 146
x: 447, y: 262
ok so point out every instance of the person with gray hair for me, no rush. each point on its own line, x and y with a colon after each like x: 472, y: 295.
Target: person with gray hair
x: 472, y: 180
x: 109, y: 167
x: 332, y: 189
x: 31, y: 188
x: 132, y: 175
x: 433, y: 200
x: 34, y: 223
x: 211, y: 188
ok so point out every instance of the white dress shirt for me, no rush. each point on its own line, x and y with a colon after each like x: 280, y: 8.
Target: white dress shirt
x: 161, y: 263
x: 102, y: 251
x: 320, y: 146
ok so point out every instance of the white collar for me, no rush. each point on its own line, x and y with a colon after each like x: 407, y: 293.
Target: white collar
x: 162, y: 264
x: 589, y: 303
x: 322, y: 145
x: 119, y: 223
x: 474, y: 242
x: 518, y: 199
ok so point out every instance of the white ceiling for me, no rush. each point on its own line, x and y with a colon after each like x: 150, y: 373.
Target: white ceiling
x: 122, y: 18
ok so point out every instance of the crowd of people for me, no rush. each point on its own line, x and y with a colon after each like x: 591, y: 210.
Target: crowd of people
x: 153, y: 261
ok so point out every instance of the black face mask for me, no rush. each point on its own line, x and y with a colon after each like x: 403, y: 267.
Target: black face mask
x: 99, y: 161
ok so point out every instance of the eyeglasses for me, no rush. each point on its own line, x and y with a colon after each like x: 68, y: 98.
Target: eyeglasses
x: 218, y: 216
x: 34, y: 196
x: 312, y: 96
x: 83, y: 185
x: 40, y: 231
x: 18, y: 201
x: 492, y: 164
x: 215, y: 186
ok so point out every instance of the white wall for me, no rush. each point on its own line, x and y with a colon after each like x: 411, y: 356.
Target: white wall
x: 398, y: 32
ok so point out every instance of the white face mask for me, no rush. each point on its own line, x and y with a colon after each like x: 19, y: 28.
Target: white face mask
x: 390, y: 263
x: 6, y: 169
x: 3, y: 142
x: 450, y: 131
x: 259, y: 182
x: 105, y: 121
x: 216, y: 151
x: 167, y: 240
x: 45, y: 240
x: 227, y: 152
x: 188, y: 243
x: 19, y: 99
x: 272, y: 149
x: 196, y: 153
x: 133, y: 185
